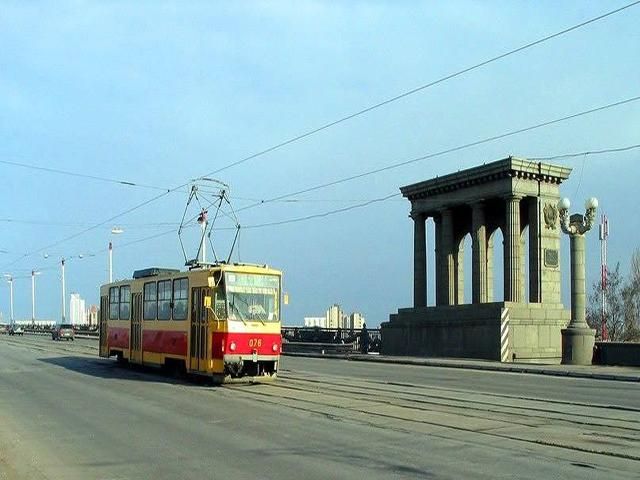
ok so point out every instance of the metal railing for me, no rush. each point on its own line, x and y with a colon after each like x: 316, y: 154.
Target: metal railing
x: 363, y: 341
x: 299, y: 338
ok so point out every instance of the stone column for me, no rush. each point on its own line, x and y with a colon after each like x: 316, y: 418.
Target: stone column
x: 577, y: 339
x: 458, y: 270
x: 447, y: 274
x: 578, y: 293
x: 535, y: 252
x: 419, y: 260
x: 437, y: 221
x: 512, y: 259
x: 479, y: 261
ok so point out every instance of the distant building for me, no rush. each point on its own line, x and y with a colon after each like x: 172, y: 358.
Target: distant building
x: 78, y: 311
x: 356, y: 321
x: 334, y: 316
x: 92, y: 315
x: 315, y: 322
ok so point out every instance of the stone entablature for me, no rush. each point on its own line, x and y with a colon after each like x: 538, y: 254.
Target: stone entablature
x: 511, y: 167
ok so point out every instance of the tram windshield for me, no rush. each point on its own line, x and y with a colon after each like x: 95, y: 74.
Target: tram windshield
x: 252, y: 297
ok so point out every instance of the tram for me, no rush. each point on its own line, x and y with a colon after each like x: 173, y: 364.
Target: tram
x: 220, y: 320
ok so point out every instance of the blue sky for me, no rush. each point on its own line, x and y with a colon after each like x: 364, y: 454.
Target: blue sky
x: 161, y: 92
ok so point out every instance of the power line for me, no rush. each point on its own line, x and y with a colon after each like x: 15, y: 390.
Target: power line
x: 84, y: 175
x: 587, y: 152
x: 84, y: 224
x: 334, y: 123
x: 425, y: 86
x: 323, y: 214
x: 443, y: 152
x: 363, y: 203
x: 352, y: 177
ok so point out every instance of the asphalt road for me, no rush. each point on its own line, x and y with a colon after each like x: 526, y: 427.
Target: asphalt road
x: 65, y: 414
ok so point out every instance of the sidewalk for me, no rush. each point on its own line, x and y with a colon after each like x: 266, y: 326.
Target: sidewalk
x: 598, y: 372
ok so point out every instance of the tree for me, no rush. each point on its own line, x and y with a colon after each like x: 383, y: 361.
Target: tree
x: 615, y: 305
x: 623, y: 303
x: 631, y: 295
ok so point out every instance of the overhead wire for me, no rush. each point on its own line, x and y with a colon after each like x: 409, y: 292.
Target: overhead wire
x: 441, y: 152
x: 83, y: 175
x: 427, y: 85
x: 586, y: 153
x: 337, y: 122
x: 362, y: 174
x: 362, y: 204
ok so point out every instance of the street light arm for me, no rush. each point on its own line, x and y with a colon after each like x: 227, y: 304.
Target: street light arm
x: 576, y: 224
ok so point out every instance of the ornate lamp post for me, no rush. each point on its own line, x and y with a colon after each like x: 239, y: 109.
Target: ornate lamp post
x: 577, y: 339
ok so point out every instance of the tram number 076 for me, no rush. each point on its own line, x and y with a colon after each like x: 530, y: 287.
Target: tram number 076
x: 255, y: 342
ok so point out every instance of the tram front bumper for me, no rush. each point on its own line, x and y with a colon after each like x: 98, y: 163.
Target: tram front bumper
x: 250, y: 364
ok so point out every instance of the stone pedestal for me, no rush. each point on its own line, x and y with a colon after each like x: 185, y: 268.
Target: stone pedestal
x: 577, y: 345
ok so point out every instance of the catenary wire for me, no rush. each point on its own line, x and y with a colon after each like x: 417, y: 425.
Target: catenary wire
x: 441, y: 152
x: 349, y: 178
x: 349, y: 117
x: 83, y: 175
x: 426, y: 86
x: 330, y: 212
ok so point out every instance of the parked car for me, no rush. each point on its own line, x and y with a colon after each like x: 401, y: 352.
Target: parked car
x: 16, y: 330
x: 62, y: 332
x: 4, y: 329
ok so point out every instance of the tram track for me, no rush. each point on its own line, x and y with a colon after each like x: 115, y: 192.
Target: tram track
x: 609, y: 430
x: 52, y: 346
x: 588, y: 430
x: 454, y: 399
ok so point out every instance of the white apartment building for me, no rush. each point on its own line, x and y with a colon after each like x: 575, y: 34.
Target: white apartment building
x: 315, y: 322
x: 77, y: 310
x: 356, y: 321
x: 334, y: 317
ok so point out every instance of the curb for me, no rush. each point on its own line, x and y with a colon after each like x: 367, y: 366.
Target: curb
x: 490, y: 368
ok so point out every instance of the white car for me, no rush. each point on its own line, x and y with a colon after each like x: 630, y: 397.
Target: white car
x: 16, y: 330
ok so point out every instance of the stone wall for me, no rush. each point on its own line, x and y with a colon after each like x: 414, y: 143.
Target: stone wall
x: 491, y: 331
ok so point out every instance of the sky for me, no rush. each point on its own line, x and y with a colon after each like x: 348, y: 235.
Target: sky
x: 159, y: 93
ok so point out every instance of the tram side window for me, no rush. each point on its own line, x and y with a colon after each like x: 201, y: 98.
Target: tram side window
x: 180, y: 297
x: 164, y: 300
x: 114, y: 303
x: 220, y: 306
x: 150, y: 301
x: 125, y: 302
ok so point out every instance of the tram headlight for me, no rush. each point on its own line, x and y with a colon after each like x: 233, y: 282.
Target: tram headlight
x: 232, y: 347
x: 275, y: 348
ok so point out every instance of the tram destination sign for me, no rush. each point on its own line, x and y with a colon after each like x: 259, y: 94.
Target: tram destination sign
x: 252, y: 280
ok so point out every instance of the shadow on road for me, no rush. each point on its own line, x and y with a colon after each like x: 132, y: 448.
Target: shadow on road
x: 106, y: 368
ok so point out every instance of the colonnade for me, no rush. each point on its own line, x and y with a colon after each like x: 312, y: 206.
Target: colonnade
x: 512, y: 214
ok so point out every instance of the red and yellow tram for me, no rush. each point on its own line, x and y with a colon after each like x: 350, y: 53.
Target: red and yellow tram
x: 221, y: 321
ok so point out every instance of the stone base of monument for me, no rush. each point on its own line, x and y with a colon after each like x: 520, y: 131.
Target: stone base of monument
x: 577, y: 345
x: 501, y: 331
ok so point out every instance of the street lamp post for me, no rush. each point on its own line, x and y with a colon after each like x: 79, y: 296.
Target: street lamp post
x: 114, y: 231
x: 10, y: 281
x: 33, y: 295
x: 578, y: 339
x: 64, y: 295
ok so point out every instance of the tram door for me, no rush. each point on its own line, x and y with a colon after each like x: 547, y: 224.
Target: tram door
x: 199, y: 333
x: 135, y: 346
x: 104, y: 315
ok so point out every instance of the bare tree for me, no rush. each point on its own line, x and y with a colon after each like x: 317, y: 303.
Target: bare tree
x: 631, y: 294
x: 615, y: 306
x: 623, y: 303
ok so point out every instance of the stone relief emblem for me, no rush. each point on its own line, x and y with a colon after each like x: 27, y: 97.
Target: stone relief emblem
x: 550, y: 212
